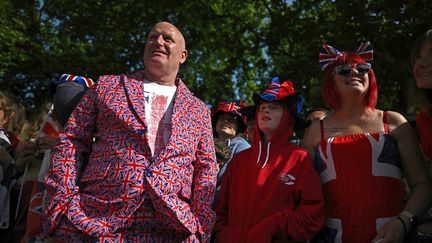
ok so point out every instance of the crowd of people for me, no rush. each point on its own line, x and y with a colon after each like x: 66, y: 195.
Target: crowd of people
x: 138, y: 158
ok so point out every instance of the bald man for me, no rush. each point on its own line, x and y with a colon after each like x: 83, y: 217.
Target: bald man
x: 151, y: 169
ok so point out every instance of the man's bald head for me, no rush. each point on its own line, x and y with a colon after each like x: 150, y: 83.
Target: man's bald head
x: 181, y: 37
x: 164, y: 52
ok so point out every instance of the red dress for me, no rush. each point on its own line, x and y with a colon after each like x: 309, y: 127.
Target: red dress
x: 362, y: 183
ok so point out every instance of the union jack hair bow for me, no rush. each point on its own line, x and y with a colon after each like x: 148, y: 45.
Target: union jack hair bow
x: 365, y: 51
x: 86, y: 82
x: 328, y: 54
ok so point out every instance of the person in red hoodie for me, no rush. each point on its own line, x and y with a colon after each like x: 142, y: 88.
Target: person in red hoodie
x: 271, y: 191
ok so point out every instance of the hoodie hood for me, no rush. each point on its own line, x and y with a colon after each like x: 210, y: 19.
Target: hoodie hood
x: 263, y: 150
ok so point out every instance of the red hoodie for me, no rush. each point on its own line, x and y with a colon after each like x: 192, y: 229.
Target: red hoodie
x: 270, y: 192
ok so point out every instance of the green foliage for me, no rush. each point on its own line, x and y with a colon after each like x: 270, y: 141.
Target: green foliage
x: 235, y: 47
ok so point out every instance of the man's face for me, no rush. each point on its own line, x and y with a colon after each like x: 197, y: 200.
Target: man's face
x: 164, y: 50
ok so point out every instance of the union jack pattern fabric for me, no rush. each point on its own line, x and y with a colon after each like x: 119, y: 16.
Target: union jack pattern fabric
x: 276, y: 91
x: 327, y: 55
x: 362, y: 184
x: 231, y: 106
x: 87, y: 82
x: 123, y: 193
x: 365, y: 51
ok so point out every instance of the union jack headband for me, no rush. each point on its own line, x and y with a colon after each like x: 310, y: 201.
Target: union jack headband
x: 86, y: 82
x: 328, y: 54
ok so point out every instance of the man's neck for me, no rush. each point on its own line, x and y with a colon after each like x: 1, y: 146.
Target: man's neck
x: 167, y: 80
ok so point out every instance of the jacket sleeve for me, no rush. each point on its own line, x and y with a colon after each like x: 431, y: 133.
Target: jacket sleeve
x: 303, y: 222
x: 204, y: 181
x: 67, y: 159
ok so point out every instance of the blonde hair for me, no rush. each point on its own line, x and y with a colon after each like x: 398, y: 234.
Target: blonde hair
x: 14, y: 112
x: 34, y: 122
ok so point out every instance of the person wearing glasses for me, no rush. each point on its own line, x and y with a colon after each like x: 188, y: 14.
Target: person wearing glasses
x: 363, y: 154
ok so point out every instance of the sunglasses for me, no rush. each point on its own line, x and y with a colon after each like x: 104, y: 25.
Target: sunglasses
x: 362, y: 69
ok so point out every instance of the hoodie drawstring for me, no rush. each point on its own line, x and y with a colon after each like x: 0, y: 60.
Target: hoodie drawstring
x: 259, y: 152
x: 267, y: 156
x: 268, y: 153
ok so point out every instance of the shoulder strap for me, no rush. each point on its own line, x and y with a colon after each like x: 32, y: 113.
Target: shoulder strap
x: 386, y: 127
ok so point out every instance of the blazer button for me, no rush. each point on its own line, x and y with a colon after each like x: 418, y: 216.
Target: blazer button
x: 148, y: 172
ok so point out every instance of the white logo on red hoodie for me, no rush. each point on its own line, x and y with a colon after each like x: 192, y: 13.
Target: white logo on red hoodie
x: 287, y: 179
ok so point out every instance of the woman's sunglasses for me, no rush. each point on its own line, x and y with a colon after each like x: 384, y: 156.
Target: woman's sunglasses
x: 362, y: 68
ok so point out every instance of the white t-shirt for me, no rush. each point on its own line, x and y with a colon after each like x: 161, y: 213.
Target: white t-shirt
x: 158, y: 112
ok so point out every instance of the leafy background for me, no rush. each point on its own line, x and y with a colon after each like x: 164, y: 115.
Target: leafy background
x: 235, y: 46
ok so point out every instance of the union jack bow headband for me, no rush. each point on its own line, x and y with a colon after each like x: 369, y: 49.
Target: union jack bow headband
x: 328, y: 54
x: 86, y: 82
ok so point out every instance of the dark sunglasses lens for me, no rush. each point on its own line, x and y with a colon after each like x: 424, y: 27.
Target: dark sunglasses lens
x: 345, y: 70
x: 363, y: 68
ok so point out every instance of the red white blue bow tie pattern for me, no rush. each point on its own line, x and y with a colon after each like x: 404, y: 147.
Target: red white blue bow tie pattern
x: 328, y: 54
x: 86, y: 82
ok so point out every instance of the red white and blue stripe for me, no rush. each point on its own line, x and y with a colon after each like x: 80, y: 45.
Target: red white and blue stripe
x: 365, y: 51
x: 86, y: 82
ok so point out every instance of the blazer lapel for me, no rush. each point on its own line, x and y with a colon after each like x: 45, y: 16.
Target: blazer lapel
x: 134, y: 86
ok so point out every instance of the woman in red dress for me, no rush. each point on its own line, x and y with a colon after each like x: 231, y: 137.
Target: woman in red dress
x: 362, y: 154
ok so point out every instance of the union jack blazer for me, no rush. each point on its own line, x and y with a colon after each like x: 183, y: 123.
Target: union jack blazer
x: 104, y: 183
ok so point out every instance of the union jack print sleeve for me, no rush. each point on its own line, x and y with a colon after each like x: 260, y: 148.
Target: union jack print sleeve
x: 204, y: 181
x: 66, y: 161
